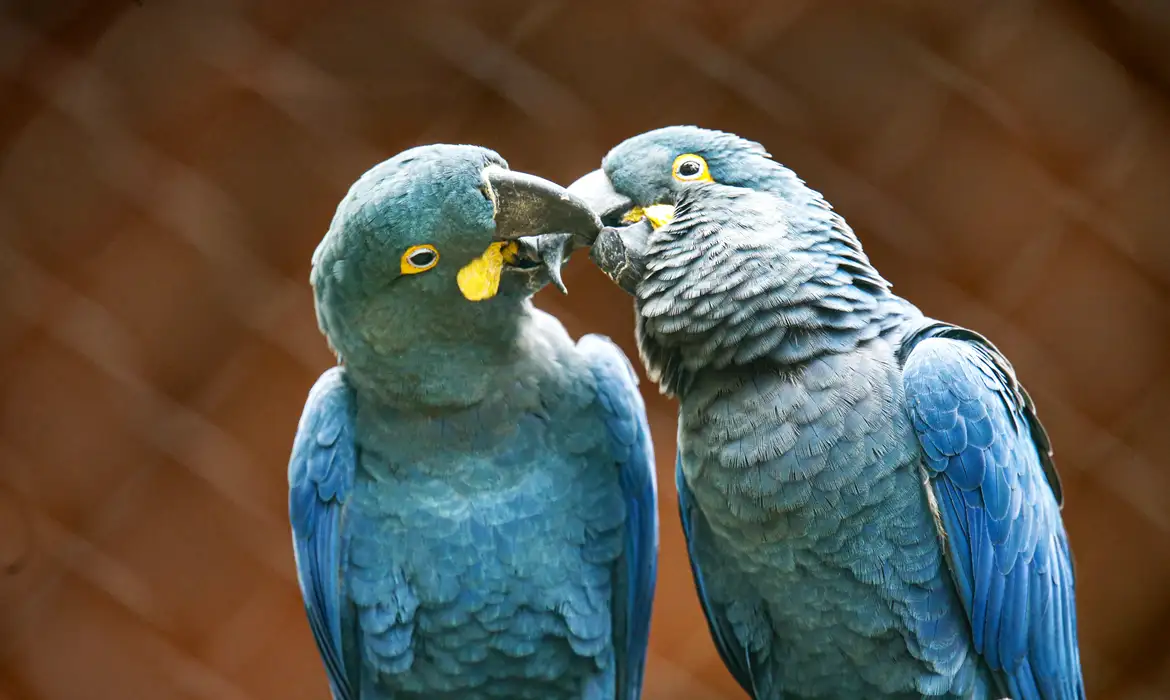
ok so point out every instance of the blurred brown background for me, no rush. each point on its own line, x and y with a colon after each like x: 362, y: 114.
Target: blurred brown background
x: 168, y: 167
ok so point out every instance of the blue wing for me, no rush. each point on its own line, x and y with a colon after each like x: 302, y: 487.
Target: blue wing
x: 320, y: 476
x: 998, y: 502
x: 625, y: 418
x: 735, y: 656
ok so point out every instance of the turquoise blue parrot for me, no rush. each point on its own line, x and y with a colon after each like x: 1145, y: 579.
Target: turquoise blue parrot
x: 869, y: 500
x: 471, y: 493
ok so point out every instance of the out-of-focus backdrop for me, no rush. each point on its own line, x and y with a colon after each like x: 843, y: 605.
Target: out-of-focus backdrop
x: 167, y: 167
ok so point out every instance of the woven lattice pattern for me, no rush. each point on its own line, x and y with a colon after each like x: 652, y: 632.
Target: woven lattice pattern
x: 167, y: 168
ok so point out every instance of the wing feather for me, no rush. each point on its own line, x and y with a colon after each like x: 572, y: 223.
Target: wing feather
x: 629, y: 432
x: 735, y: 657
x: 989, y: 464
x: 320, y: 476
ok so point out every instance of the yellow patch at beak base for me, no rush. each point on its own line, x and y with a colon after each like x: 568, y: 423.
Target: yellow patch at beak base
x: 658, y: 215
x: 480, y: 278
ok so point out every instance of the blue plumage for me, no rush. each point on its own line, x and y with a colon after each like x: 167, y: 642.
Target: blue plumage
x: 631, y: 444
x: 472, y: 494
x: 320, y: 477
x: 1008, y: 551
x: 869, y: 500
x: 730, y: 648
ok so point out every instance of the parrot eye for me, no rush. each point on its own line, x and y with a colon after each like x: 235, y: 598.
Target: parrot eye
x: 690, y: 168
x: 419, y: 258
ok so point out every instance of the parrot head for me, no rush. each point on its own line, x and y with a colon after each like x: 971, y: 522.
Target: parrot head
x: 428, y: 248
x: 644, y: 176
x: 642, y: 179
x: 729, y: 255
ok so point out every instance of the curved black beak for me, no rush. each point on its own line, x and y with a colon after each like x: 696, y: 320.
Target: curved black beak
x: 527, y: 205
x: 619, y: 250
x: 597, y: 191
x: 621, y: 253
x: 554, y: 221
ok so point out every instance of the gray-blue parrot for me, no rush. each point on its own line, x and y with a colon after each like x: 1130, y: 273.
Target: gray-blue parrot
x: 472, y: 494
x: 869, y: 500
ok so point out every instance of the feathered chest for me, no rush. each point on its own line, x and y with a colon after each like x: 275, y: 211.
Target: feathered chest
x: 783, y: 452
x: 495, y: 569
x: 420, y: 519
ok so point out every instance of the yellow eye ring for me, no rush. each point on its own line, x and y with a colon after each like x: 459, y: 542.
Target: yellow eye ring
x: 419, y: 258
x: 691, y: 168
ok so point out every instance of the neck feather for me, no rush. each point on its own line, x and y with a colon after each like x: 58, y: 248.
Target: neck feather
x: 743, y: 277
x: 441, y: 369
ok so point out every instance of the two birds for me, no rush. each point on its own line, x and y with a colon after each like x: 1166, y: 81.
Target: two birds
x: 869, y: 501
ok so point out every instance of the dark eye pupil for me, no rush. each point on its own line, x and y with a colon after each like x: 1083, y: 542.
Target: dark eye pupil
x: 688, y: 168
x: 422, y: 258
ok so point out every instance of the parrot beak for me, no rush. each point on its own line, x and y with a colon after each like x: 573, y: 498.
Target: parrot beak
x: 619, y: 250
x: 597, y: 191
x: 611, y: 207
x: 527, y: 205
x: 547, y: 222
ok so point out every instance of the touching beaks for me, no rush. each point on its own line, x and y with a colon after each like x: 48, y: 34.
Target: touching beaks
x: 621, y: 253
x: 540, y: 221
x: 546, y: 219
x: 527, y: 205
x: 597, y: 191
x: 620, y: 249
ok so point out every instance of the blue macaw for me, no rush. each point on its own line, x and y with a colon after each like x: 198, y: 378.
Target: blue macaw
x: 870, y: 503
x: 472, y: 495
